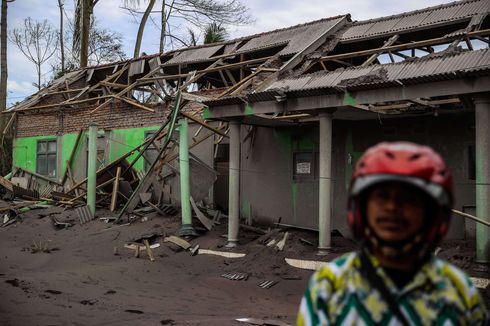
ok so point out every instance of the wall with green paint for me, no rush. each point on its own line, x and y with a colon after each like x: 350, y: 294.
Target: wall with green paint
x: 268, y: 189
x: 24, y: 152
x: 121, y: 141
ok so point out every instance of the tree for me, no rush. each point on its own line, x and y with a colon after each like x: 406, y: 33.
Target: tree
x: 3, y: 60
x: 193, y: 12
x: 104, y: 46
x: 81, y: 33
x: 215, y: 33
x: 5, y: 146
x: 141, y: 28
x: 61, y: 38
x: 38, y: 41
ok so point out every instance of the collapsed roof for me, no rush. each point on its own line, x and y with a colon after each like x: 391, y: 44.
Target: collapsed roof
x: 326, y: 56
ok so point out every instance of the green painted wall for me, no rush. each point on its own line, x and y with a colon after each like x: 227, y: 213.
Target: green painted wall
x: 24, y: 152
x: 120, y: 142
x: 123, y: 140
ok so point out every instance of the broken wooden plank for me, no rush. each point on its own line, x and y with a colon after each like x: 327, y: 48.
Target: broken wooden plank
x: 9, y: 123
x: 282, y: 243
x: 148, y: 250
x: 203, y: 124
x: 6, y: 184
x: 132, y: 246
x: 204, y: 220
x: 115, y: 189
x: 147, y: 180
x: 373, y: 57
x: 155, y: 207
x: 471, y: 217
x: 178, y: 241
x: 145, y: 196
x: 72, y: 155
x: 257, y: 321
x: 221, y: 253
x: 311, y: 265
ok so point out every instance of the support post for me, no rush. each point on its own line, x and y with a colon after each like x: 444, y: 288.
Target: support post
x: 482, y: 142
x: 185, y: 194
x: 234, y: 185
x: 92, y: 167
x: 325, y: 182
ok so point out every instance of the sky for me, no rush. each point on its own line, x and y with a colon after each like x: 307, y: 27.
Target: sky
x: 267, y: 14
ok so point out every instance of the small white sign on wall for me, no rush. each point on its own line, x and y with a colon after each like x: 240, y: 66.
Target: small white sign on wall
x: 303, y: 168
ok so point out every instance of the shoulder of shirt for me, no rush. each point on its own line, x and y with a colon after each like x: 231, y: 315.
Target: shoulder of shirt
x: 447, y: 272
x: 336, y: 268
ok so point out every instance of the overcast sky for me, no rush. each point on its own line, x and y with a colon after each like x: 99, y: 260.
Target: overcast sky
x: 268, y: 15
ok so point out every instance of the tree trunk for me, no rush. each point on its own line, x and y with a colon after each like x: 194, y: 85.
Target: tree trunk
x: 141, y: 29
x: 5, y: 142
x: 86, y: 11
x: 164, y: 25
x: 62, y: 43
x: 39, y: 77
x: 3, y: 62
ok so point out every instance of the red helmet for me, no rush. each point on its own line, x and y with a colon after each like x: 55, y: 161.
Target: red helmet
x: 409, y: 163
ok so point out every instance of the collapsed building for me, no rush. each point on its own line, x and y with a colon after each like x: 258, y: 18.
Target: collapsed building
x: 278, y: 120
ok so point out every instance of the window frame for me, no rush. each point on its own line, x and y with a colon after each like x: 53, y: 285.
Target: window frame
x: 44, y: 170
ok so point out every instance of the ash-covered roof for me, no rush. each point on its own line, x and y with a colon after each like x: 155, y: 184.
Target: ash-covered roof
x: 445, y: 67
x: 294, y: 38
x: 442, y: 14
x: 407, y: 72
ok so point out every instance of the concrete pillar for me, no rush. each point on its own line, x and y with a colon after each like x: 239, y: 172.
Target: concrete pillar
x: 92, y: 167
x: 325, y: 180
x: 482, y: 142
x: 185, y: 193
x: 234, y: 186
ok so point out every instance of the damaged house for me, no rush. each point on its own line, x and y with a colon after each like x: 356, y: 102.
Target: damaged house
x: 286, y: 114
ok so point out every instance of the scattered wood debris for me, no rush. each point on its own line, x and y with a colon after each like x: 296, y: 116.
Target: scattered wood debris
x: 178, y: 241
x: 267, y: 284
x: 265, y: 322
x: 312, y: 265
x: 220, y: 253
x: 235, y: 276
x: 203, y: 219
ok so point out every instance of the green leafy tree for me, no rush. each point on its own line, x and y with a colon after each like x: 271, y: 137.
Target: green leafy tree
x: 215, y: 33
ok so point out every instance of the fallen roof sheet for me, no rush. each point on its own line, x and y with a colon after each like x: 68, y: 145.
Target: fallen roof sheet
x: 426, y: 69
x: 194, y: 55
x: 454, y: 11
x: 406, y: 71
x: 64, y: 80
x: 295, y: 38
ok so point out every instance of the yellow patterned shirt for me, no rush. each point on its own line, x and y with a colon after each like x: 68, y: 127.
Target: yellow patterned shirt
x: 439, y: 294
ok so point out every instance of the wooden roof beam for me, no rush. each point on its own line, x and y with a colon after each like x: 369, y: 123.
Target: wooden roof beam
x: 405, y: 46
x: 374, y: 56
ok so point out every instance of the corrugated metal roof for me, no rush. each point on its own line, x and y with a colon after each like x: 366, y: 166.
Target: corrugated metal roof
x: 193, y: 55
x: 296, y: 38
x: 67, y: 78
x: 430, y: 16
x: 425, y: 69
x: 444, y: 67
x: 295, y: 83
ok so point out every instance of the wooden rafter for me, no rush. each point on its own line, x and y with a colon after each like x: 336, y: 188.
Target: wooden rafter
x: 374, y: 56
x: 405, y: 46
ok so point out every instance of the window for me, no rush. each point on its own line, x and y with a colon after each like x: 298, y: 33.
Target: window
x: 46, y: 158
